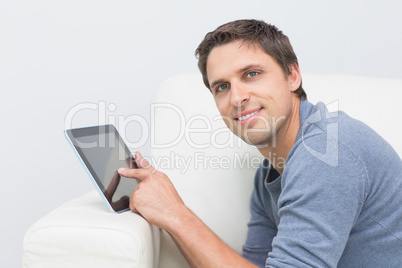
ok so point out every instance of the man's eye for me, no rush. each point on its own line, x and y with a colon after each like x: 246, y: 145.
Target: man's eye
x: 252, y: 74
x: 222, y: 87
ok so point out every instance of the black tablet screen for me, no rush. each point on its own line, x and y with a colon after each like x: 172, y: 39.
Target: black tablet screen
x: 103, y: 152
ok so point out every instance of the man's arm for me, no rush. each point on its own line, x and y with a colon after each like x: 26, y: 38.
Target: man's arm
x: 201, y: 247
x: 262, y: 226
x: 318, y: 206
x: 156, y: 199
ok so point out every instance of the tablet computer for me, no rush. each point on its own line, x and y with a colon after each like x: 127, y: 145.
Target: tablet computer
x: 102, y: 152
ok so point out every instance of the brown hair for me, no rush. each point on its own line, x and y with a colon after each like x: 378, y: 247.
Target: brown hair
x: 267, y: 36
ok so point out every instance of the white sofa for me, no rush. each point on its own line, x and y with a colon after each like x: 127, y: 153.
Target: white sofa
x: 216, y: 185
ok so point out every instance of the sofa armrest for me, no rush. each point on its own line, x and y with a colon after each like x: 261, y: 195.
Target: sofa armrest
x: 83, y: 233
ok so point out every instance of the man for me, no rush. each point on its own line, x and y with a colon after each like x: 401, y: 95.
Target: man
x: 336, y: 198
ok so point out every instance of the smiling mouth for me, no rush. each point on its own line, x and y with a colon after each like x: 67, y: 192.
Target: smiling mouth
x: 247, y: 116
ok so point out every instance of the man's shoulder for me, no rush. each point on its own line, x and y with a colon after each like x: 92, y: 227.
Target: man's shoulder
x: 329, y: 131
x: 334, y: 140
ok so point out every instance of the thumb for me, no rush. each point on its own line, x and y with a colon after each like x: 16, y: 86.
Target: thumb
x: 141, y: 162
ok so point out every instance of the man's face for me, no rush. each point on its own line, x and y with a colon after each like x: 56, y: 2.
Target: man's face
x: 251, y: 91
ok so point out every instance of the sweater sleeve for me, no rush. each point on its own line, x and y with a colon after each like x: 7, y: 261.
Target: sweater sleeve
x: 319, y: 204
x: 261, y: 227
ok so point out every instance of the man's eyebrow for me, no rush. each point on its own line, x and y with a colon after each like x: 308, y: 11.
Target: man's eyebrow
x: 250, y: 67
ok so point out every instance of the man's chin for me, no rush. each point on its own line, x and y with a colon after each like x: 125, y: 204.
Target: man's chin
x: 258, y: 142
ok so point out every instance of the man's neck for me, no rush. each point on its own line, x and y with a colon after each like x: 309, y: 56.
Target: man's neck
x: 285, y: 139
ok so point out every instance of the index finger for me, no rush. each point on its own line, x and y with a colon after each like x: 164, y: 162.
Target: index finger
x: 130, y: 161
x: 134, y: 173
x: 141, y: 162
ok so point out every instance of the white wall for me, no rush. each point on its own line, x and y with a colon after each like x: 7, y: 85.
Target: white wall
x: 57, y: 54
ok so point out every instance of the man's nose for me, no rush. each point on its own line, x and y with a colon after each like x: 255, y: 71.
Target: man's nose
x: 239, y: 93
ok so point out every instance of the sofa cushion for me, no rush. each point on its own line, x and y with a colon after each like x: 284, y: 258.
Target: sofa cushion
x: 83, y: 233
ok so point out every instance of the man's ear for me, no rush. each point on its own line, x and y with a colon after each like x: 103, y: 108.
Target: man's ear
x: 294, y: 77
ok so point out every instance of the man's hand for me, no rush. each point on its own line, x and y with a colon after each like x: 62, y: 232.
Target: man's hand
x: 155, y: 197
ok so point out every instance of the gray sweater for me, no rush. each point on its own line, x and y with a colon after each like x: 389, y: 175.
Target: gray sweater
x: 338, y: 202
